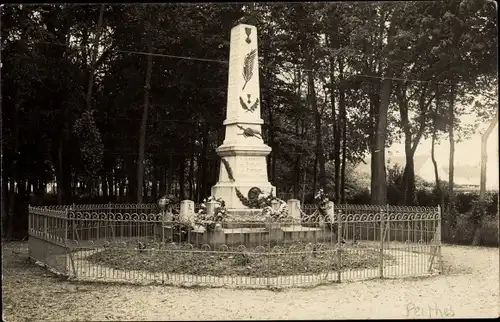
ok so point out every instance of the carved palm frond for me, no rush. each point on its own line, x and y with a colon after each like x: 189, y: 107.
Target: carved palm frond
x: 254, y: 105
x: 248, y: 66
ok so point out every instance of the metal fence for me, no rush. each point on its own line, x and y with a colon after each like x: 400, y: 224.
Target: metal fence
x: 136, y: 243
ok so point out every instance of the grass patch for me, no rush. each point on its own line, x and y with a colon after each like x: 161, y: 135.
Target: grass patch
x: 252, y: 264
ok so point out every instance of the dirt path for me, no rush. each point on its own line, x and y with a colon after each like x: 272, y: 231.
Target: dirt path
x: 470, y: 288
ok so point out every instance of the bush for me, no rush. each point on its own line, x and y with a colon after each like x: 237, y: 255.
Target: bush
x: 463, y: 231
x: 361, y: 197
x: 459, y: 219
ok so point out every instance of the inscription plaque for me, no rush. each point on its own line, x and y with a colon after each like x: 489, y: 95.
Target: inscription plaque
x: 252, y: 166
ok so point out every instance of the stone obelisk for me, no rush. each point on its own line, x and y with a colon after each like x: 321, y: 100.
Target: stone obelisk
x: 243, y: 152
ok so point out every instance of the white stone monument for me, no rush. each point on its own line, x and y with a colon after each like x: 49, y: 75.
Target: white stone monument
x: 186, y: 212
x: 243, y: 152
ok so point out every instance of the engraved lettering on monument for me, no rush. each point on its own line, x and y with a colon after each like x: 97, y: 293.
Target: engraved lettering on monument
x: 251, y: 166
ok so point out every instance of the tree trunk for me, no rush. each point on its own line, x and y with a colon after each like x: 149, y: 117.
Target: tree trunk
x: 304, y: 188
x: 170, y: 176
x: 74, y: 191
x: 88, y: 97
x: 484, y: 154
x: 182, y: 169
x: 482, y: 186
x: 90, y: 85
x: 451, y: 137
x: 154, y: 183
x: 315, y: 175
x: 338, y: 134
x: 191, y: 176
x: 19, y: 225
x: 409, y: 171
x: 378, y: 178
x: 342, y: 132
x: 271, y: 164
x: 215, y: 169
x: 162, y: 188
x: 105, y: 188
x: 12, y: 201
x: 273, y: 160
x: 320, y: 155
x: 60, y: 174
x: 296, y: 182
x: 298, y: 123
x: 297, y: 167
x: 272, y: 155
x: 14, y: 173
x: 344, y: 156
x: 111, y: 184
x: 144, y: 120
x: 205, y: 174
x: 436, y: 174
x: 5, y: 215
x: 199, y: 177
x: 29, y: 186
x: 411, y: 143
x: 131, y: 179
x: 121, y: 188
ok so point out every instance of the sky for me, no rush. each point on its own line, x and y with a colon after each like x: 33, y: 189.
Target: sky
x: 467, y: 152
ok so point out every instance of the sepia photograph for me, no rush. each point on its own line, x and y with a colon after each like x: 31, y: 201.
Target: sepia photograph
x: 196, y: 161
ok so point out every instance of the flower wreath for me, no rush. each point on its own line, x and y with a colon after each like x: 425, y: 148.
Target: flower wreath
x: 276, y: 215
x: 168, y: 203
x: 202, y: 218
x: 322, y: 204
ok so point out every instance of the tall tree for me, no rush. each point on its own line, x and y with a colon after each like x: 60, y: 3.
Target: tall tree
x: 144, y: 121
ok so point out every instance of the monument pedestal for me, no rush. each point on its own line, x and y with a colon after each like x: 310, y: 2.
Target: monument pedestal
x: 243, y: 167
x: 260, y: 236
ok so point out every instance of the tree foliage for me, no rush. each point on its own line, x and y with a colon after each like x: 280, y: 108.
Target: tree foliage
x: 337, y: 85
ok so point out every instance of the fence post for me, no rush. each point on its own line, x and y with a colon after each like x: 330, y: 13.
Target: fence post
x: 65, y: 225
x: 382, y: 237
x: 339, y: 243
x: 111, y: 221
x: 439, y: 240
x: 45, y: 227
x: 30, y: 219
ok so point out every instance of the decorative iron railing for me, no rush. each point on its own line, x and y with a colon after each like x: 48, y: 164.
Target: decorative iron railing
x: 354, y: 242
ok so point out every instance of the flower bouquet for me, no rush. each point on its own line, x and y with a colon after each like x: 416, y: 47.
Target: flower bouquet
x: 202, y: 218
x: 322, y: 203
x: 273, y: 216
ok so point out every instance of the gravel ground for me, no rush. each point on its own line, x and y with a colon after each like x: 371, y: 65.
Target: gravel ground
x: 469, y: 288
